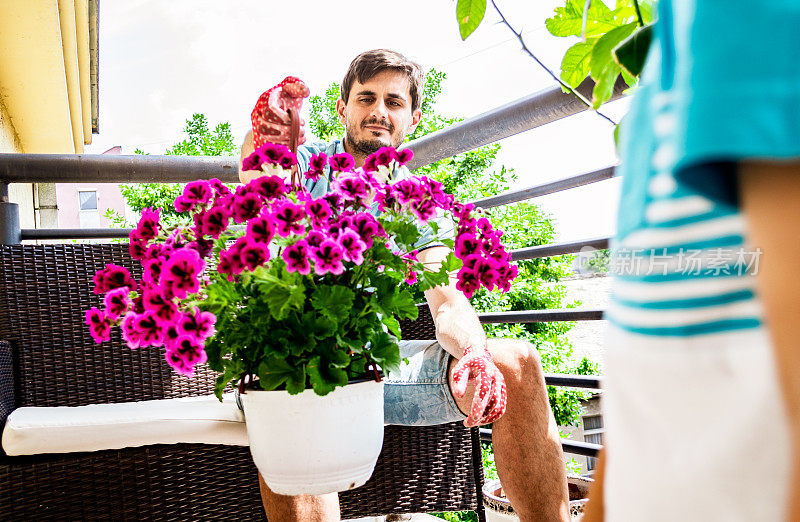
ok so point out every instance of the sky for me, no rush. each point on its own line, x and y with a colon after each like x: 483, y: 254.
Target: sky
x: 160, y: 62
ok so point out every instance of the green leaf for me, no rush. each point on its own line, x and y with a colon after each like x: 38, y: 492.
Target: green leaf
x: 324, y: 377
x: 575, y: 64
x: 568, y: 20
x: 631, y: 54
x: 385, y: 351
x: 296, y: 382
x: 601, y: 53
x: 317, y: 325
x: 334, y: 302
x: 605, y: 85
x: 392, y: 324
x: 406, y: 232
x: 469, y: 14
x: 451, y: 263
x: 273, y: 372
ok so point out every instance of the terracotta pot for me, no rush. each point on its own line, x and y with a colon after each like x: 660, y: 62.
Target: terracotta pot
x: 307, y: 444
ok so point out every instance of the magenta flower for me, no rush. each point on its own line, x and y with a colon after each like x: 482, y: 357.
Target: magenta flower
x: 342, y: 162
x: 315, y: 238
x: 202, y: 246
x: 184, y: 355
x: 183, y: 204
x: 252, y: 162
x: 219, y: 188
x: 170, y: 335
x: 296, y: 257
x: 367, y: 227
x: 423, y: 209
x: 411, y: 276
x: 117, y: 302
x: 199, y: 326
x: 404, y: 156
x: 408, y: 190
x: 287, y: 216
x: 288, y: 160
x: 137, y: 247
x: 486, y: 270
x: 148, y: 330
x: 230, y: 264
x: 319, y: 210
x: 353, y: 246
x: 261, y: 229
x: 352, y: 187
x: 254, y: 254
x: 316, y: 166
x: 507, y: 274
x: 180, y: 272
x: 147, y: 228
x: 384, y: 156
x: 111, y: 277
x: 215, y: 221
x: 198, y: 192
x: 163, y: 310
x: 467, y: 244
x: 328, y: 258
x: 99, y: 328
x: 246, y: 205
x: 269, y: 187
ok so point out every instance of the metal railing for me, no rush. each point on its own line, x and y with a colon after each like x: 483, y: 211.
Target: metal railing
x: 518, y: 116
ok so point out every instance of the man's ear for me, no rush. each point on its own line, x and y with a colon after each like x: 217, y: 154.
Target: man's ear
x: 416, y: 116
x: 340, y: 105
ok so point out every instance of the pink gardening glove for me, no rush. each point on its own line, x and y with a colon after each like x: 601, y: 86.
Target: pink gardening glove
x: 270, y: 116
x: 489, y: 402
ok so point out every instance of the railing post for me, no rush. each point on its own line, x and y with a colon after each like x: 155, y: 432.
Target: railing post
x: 10, y: 232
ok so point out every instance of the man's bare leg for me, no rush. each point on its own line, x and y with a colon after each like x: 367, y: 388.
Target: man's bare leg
x: 301, y: 508
x: 527, y: 447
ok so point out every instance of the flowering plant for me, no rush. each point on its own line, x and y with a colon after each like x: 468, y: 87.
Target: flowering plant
x: 306, y: 291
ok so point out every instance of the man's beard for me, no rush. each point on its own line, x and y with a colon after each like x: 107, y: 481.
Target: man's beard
x: 369, y: 146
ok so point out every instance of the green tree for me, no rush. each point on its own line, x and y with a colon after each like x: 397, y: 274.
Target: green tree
x: 200, y: 141
x: 473, y: 175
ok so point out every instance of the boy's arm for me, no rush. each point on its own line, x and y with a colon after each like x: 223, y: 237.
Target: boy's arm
x: 770, y: 194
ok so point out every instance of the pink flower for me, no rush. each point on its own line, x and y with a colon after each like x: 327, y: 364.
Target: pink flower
x: 99, y: 328
x: 468, y: 282
x: 342, y: 162
x: 246, y: 205
x: 215, y: 221
x: 287, y: 216
x: 261, y: 229
x: 315, y: 238
x: 328, y: 258
x: 404, y: 156
x: 117, y: 302
x: 147, y: 228
x: 411, y: 276
x: 111, y: 277
x: 353, y: 246
x: 163, y: 310
x: 408, y: 190
x: 184, y: 355
x: 384, y: 156
x: 230, y: 264
x: 352, y: 187
x: 183, y: 204
x: 366, y: 226
x: 148, y: 330
x: 423, y: 209
x: 507, y: 274
x: 269, y: 187
x: 137, y: 247
x: 198, y: 192
x: 296, y: 257
x: 254, y: 254
x: 199, y: 326
x: 180, y: 272
x: 316, y: 166
x: 252, y: 162
x: 319, y: 210
x: 467, y: 244
x: 219, y: 188
x: 130, y: 334
x: 486, y: 270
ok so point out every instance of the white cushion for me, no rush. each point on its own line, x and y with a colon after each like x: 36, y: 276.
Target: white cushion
x: 67, y: 429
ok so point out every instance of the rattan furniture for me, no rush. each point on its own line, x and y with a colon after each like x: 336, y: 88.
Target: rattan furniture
x: 48, y: 359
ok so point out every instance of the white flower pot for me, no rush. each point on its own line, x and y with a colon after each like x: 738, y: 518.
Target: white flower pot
x: 307, y: 444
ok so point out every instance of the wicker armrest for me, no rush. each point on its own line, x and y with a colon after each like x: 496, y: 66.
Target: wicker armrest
x: 7, y: 402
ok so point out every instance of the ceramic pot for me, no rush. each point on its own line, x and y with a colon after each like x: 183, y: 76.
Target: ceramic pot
x: 498, y: 508
x: 307, y: 444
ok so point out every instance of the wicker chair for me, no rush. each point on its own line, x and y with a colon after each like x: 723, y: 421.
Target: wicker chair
x: 48, y: 359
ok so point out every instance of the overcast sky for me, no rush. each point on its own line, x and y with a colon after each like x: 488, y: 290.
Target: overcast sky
x: 160, y: 62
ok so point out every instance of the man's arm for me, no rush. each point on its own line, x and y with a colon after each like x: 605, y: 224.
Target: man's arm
x: 457, y: 324
x: 770, y: 194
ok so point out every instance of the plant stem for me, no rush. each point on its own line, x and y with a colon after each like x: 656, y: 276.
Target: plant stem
x: 543, y: 66
x: 638, y: 13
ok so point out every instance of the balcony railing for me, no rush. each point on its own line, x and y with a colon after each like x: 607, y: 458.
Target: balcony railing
x: 521, y: 115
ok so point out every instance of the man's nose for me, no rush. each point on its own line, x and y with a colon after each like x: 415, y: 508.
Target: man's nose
x: 380, y: 111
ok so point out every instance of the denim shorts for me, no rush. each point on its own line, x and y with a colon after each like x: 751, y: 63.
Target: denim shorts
x: 418, y: 393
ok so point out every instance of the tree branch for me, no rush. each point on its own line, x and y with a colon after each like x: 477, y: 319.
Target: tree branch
x: 563, y: 84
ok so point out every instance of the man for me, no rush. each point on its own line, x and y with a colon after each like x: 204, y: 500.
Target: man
x: 379, y: 105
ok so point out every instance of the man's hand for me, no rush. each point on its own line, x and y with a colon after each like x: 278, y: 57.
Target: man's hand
x: 270, y: 117
x: 489, y: 401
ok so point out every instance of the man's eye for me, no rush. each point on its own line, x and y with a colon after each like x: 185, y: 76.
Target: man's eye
x: 366, y: 100
x: 394, y: 103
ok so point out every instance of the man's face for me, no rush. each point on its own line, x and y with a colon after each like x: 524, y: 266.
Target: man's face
x: 378, y: 113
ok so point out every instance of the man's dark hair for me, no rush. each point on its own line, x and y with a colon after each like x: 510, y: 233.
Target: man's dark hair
x: 369, y: 63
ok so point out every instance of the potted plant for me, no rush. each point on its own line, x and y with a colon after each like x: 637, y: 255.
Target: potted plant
x: 295, y: 299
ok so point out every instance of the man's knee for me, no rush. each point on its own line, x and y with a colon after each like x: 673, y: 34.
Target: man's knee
x: 518, y: 361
